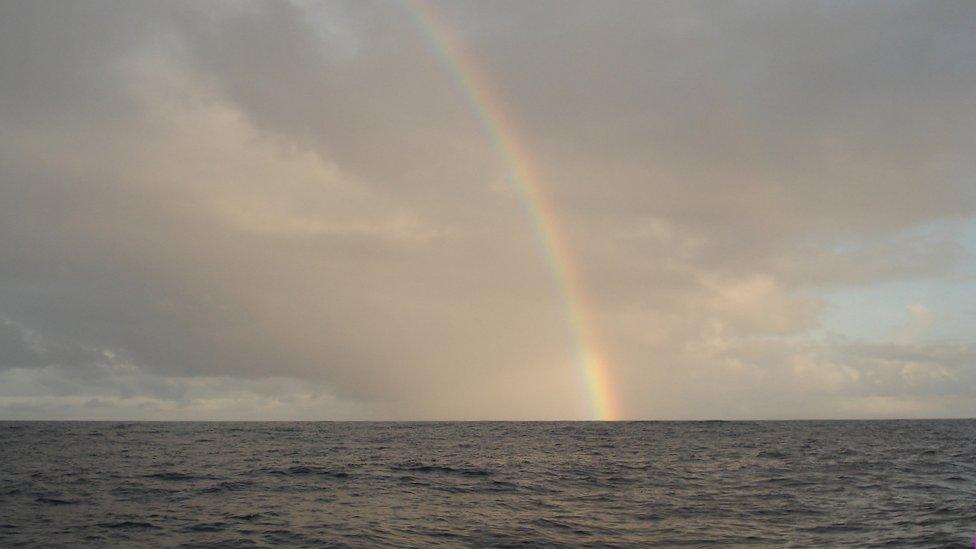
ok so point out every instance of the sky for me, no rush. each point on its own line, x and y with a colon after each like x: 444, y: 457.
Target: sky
x: 487, y: 210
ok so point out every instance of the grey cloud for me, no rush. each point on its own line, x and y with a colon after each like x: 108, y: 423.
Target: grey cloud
x: 819, y: 378
x: 199, y: 199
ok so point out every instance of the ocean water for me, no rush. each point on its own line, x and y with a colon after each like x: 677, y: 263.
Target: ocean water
x: 710, y: 484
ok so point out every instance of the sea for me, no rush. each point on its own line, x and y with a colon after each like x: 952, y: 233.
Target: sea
x: 506, y: 484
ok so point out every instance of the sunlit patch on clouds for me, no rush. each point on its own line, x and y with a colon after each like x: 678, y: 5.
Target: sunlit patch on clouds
x: 288, y: 210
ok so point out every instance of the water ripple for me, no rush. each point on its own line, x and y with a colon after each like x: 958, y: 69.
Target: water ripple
x: 903, y: 483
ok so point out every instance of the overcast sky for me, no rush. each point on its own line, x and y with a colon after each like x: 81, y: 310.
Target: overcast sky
x: 237, y: 210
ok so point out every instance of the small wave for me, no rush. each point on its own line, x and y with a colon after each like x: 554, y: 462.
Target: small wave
x: 172, y: 476
x: 503, y: 486
x: 305, y: 470
x: 833, y: 528
x: 56, y: 501
x: 552, y: 524
x: 424, y: 468
x: 228, y: 486
x: 129, y: 524
x: 207, y: 527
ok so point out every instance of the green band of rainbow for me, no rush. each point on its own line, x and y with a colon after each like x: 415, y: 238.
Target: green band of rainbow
x: 591, y: 363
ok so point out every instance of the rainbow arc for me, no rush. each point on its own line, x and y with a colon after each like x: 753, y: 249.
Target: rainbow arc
x: 591, y: 361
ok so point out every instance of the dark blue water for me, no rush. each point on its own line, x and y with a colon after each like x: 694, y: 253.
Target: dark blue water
x: 420, y: 484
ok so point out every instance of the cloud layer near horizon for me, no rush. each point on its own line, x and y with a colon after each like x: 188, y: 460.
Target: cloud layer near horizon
x: 288, y: 210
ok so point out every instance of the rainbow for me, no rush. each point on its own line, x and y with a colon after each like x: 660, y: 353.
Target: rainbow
x: 591, y: 360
